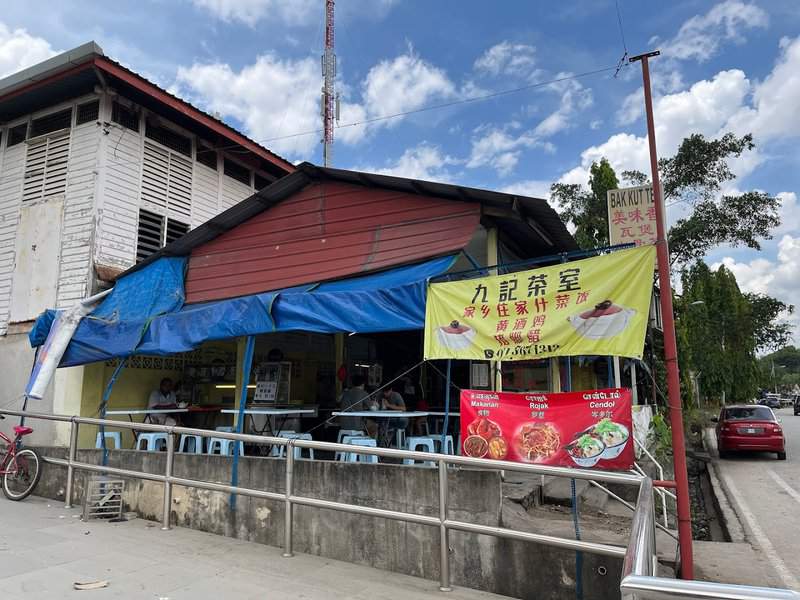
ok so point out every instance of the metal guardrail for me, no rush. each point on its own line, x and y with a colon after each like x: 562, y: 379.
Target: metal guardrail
x: 291, y: 499
x: 639, y: 575
x: 640, y: 579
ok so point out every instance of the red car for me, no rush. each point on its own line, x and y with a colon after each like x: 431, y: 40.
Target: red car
x: 749, y: 427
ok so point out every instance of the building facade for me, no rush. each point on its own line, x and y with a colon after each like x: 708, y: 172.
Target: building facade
x: 99, y: 168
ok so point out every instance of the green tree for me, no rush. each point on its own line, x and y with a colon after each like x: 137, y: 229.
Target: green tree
x: 771, y: 330
x: 586, y: 209
x: 695, y: 177
x: 717, y: 334
x: 780, y: 369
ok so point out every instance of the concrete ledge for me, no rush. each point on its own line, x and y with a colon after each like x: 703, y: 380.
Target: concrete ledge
x: 510, y: 568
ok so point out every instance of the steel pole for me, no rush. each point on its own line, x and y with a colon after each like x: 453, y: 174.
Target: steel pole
x: 165, y: 514
x: 444, y: 534
x: 73, y: 450
x: 288, y: 506
x: 670, y: 345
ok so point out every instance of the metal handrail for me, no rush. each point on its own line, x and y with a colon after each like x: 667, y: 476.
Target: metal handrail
x: 661, y: 588
x: 442, y: 520
x: 639, y: 575
x: 640, y: 579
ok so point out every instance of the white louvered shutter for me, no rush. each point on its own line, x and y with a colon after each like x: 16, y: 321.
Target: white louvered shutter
x: 155, y: 174
x: 167, y: 180
x: 46, y: 167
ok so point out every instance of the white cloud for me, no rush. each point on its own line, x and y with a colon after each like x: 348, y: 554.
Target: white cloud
x: 276, y: 97
x: 505, y: 58
x: 252, y: 11
x: 706, y: 107
x: 574, y: 98
x: 700, y: 37
x: 775, y: 112
x: 404, y: 83
x: 789, y: 213
x: 501, y: 147
x: 19, y: 50
x: 778, y: 277
x: 424, y: 161
x: 497, y: 148
x: 272, y: 97
x: 294, y: 12
x: 534, y: 188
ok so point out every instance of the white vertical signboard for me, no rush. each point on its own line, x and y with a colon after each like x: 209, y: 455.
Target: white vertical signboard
x: 632, y: 216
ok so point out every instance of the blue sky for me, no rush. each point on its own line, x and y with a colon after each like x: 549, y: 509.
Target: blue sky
x: 732, y: 65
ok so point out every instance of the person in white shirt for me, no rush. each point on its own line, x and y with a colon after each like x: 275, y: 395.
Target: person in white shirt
x: 162, y: 398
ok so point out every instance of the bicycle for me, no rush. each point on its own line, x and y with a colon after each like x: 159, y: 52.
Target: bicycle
x: 19, y: 467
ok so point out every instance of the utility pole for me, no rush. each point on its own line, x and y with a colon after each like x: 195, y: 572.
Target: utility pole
x: 670, y: 345
x: 330, y: 101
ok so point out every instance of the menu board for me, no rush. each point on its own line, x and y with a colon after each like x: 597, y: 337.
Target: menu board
x: 589, y: 429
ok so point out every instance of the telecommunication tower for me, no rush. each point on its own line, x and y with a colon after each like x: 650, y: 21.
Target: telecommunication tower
x: 330, y: 100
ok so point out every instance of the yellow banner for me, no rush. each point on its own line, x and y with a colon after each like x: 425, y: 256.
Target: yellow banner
x: 595, y: 306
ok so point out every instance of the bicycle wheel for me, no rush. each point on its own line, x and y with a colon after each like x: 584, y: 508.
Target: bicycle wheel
x: 22, y: 475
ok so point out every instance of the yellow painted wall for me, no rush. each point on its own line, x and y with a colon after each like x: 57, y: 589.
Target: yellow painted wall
x: 131, y: 391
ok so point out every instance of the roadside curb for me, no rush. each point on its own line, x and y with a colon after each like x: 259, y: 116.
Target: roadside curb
x: 722, y: 496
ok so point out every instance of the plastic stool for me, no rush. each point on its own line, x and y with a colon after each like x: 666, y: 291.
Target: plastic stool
x: 400, y: 438
x: 278, y: 451
x: 362, y: 458
x: 437, y: 442
x: 224, y: 447
x: 350, y: 432
x: 420, y: 443
x: 347, y: 433
x: 109, y: 435
x: 150, y: 441
x: 298, y: 452
x: 196, y: 444
x: 348, y: 439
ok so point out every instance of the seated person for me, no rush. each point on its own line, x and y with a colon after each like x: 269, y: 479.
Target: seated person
x: 161, y: 399
x: 353, y: 400
x: 391, y: 400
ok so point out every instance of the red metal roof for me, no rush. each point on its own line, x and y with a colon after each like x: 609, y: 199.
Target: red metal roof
x: 91, y: 60
x: 325, y: 231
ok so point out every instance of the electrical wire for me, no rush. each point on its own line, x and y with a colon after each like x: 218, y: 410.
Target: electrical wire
x: 622, y: 62
x: 443, y: 104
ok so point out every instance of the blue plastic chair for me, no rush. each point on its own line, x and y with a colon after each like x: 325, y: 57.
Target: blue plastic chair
x: 109, y: 435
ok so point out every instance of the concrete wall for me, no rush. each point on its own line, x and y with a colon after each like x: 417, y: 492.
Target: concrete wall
x: 16, y: 360
x: 511, y: 568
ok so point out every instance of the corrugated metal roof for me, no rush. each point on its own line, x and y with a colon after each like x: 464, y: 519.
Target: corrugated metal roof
x: 531, y: 222
x: 328, y: 230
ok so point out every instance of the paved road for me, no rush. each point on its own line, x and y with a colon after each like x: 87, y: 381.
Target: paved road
x: 765, y: 493
x: 44, y: 549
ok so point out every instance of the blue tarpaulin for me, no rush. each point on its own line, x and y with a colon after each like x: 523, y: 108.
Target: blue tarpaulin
x: 154, y: 320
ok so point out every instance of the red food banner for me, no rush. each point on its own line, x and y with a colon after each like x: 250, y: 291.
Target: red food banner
x: 590, y: 429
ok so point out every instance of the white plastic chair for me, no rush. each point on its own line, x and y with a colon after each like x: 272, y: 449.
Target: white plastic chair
x: 151, y: 441
x: 109, y: 435
x: 365, y: 458
x: 224, y: 446
x: 195, y: 442
x: 423, y: 444
x: 347, y: 433
x: 437, y: 442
